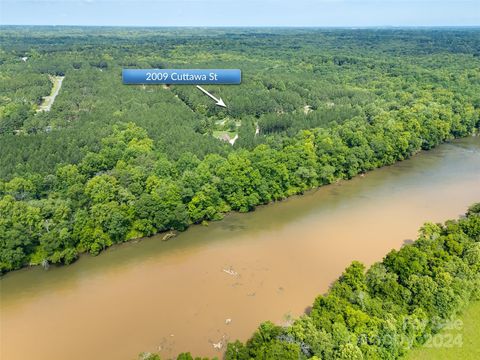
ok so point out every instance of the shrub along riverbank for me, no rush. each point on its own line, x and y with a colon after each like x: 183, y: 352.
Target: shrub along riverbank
x: 129, y: 189
x: 385, y: 311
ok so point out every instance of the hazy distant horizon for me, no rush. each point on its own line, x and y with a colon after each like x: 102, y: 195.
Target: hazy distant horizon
x: 247, y: 13
x: 380, y: 27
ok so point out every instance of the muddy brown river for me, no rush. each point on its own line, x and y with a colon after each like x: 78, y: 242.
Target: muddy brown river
x: 217, y: 283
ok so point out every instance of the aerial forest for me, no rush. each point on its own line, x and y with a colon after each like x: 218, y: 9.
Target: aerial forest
x: 109, y: 162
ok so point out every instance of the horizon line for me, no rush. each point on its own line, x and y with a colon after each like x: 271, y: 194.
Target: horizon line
x: 251, y: 26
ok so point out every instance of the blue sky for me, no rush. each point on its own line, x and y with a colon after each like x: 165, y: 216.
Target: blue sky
x: 242, y: 13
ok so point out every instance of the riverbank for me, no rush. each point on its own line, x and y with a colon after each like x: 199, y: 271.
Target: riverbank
x: 40, y: 261
x: 170, y: 235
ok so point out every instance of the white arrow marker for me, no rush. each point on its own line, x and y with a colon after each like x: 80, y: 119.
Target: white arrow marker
x: 218, y: 102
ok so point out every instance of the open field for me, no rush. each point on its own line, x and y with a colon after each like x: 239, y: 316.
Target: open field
x: 469, y: 333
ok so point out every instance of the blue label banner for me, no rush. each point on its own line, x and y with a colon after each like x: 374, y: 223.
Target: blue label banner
x: 182, y: 76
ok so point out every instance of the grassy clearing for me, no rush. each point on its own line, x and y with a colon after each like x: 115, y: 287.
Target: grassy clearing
x: 469, y: 334
x: 220, y: 134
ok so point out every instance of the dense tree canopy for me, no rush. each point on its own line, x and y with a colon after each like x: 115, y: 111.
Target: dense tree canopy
x: 292, y: 80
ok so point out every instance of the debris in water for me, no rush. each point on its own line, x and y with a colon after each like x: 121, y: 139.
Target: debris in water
x: 228, y: 321
x: 45, y: 264
x: 288, y: 319
x: 230, y: 271
x: 220, y: 344
x: 168, y: 236
x: 145, y: 355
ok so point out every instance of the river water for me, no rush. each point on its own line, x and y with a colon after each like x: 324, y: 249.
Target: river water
x: 219, y: 282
